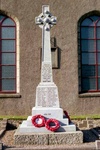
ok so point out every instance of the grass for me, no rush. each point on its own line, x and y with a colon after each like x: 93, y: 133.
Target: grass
x: 80, y: 117
x: 14, y: 117
x: 94, y: 116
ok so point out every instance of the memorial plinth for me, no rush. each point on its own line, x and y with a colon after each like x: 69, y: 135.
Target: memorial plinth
x: 47, y: 99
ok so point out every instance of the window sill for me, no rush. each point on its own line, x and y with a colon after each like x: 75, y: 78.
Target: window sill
x: 10, y: 95
x: 89, y: 95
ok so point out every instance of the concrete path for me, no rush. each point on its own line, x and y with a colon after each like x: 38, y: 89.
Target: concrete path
x: 85, y: 146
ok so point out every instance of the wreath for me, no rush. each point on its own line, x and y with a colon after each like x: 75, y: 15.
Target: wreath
x: 38, y: 121
x: 52, y: 128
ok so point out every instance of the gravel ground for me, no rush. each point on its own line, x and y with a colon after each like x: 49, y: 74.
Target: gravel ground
x: 89, y: 138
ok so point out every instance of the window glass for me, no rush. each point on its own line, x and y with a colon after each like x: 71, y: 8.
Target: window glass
x: 88, y: 71
x: 87, y: 22
x: 8, y: 22
x: 98, y: 70
x: 88, y: 84
x: 88, y: 45
x: 88, y: 58
x: 94, y: 18
x: 1, y: 17
x: 8, y: 33
x: 8, y: 58
x: 99, y: 83
x: 87, y: 32
x: 8, y: 45
x: 98, y: 45
x: 98, y: 58
x: 8, y: 84
x: 8, y: 71
x: 98, y: 33
x: 98, y: 23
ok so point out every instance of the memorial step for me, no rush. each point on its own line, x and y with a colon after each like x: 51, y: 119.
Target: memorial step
x: 63, y: 122
x: 29, y: 129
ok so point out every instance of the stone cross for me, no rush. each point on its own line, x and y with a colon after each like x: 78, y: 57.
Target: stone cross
x: 45, y: 21
x: 46, y: 92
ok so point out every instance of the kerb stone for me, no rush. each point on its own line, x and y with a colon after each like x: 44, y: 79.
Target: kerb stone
x: 97, y: 143
x: 1, y: 145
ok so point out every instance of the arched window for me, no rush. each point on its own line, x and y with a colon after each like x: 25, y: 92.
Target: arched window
x: 89, y: 54
x: 7, y: 55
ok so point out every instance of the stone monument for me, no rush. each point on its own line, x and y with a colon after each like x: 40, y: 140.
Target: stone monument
x: 47, y: 100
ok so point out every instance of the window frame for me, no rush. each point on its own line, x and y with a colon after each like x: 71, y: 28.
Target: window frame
x: 80, y: 53
x: 5, y: 52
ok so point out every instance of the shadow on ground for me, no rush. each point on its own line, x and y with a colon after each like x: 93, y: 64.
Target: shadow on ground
x: 90, y: 136
x: 10, y: 127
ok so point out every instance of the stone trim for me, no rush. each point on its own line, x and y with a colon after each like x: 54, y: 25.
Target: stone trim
x: 84, y: 95
x: 10, y: 96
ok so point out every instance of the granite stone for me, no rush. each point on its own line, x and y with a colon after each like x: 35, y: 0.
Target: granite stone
x: 30, y: 139
x: 48, y: 138
x: 66, y: 138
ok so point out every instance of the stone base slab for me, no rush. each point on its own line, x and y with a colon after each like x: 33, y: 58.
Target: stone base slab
x: 23, y: 128
x: 48, y: 112
x: 48, y: 138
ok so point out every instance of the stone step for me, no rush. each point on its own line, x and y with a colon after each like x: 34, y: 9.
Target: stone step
x: 62, y: 122
x: 29, y: 129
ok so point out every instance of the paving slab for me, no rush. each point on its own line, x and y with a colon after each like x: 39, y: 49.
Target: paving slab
x: 1, y: 145
x: 58, y: 147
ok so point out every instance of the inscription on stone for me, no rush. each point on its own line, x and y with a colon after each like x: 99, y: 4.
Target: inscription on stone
x: 46, y: 73
x: 47, y: 97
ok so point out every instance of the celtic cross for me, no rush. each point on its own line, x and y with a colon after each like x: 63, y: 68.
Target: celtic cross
x: 45, y: 21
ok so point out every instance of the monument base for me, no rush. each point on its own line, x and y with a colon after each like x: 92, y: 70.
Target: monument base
x: 26, y: 127
x: 48, y: 138
x: 27, y: 134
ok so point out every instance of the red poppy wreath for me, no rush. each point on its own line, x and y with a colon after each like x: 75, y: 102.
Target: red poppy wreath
x: 38, y: 121
x: 52, y: 128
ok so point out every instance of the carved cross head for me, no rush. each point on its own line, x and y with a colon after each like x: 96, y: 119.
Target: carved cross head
x: 45, y: 19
